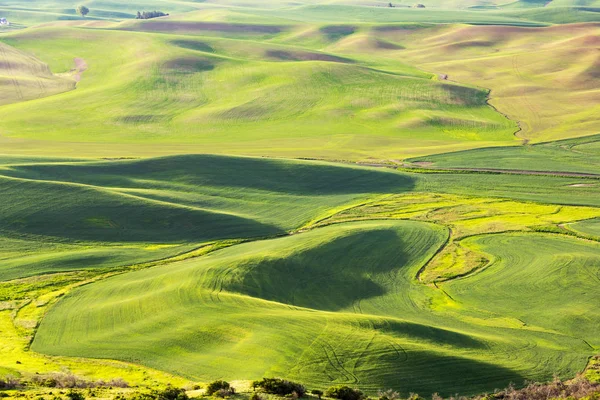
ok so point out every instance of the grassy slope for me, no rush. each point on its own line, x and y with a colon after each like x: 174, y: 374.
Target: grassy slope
x: 23, y: 77
x: 336, y: 91
x: 241, y: 97
x: 215, y: 87
x: 514, y: 282
x: 544, y: 78
x: 389, y: 313
x: 466, y: 216
x: 246, y: 314
x: 589, y: 227
x: 80, y: 211
x: 468, y: 11
x: 571, y: 155
x: 23, y: 258
x: 544, y: 189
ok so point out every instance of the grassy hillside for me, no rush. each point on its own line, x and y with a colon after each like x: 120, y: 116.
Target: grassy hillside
x: 589, y: 227
x: 252, y: 311
x: 304, y: 89
x: 23, y: 77
x: 356, y: 286
x: 512, y: 283
x: 239, y: 96
x: 23, y: 258
x: 101, y: 214
x: 170, y: 209
x: 468, y: 11
x: 572, y: 155
x: 546, y: 78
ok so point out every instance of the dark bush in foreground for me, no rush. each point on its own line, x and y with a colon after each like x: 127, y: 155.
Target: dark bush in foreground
x: 344, y: 393
x: 10, y: 383
x: 75, y: 395
x: 169, y: 393
x: 280, y: 387
x: 316, y: 392
x: 217, y: 386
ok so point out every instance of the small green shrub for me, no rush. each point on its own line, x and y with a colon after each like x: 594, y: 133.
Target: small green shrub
x: 215, y: 386
x: 280, y: 387
x: 317, y: 392
x: 344, y: 393
x: 75, y: 395
x: 222, y: 393
x: 171, y: 393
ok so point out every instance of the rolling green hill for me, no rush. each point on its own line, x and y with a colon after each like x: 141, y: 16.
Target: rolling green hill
x: 71, y: 211
x: 341, y: 304
x: 23, y: 77
x: 581, y: 155
x: 589, y: 227
x: 303, y: 89
x: 330, y: 192
x: 239, y: 97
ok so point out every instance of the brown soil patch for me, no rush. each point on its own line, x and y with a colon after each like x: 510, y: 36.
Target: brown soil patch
x: 80, y: 67
x: 582, y: 185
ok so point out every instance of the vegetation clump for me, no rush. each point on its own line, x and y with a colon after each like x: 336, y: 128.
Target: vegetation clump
x: 150, y: 14
x: 82, y: 10
x: 219, y: 388
x: 280, y: 387
x: 344, y: 393
x: 168, y: 393
x: 71, y: 381
x: 10, y: 383
x: 75, y: 395
x: 389, y: 394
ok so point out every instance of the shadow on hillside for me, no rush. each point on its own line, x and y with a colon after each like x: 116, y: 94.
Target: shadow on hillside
x: 292, y: 177
x: 331, y: 276
x: 423, y: 372
x: 88, y: 214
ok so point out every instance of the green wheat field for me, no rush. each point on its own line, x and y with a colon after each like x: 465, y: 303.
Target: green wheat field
x: 362, y: 193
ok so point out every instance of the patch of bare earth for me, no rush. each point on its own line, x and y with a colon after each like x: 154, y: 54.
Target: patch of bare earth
x: 582, y: 185
x: 80, y: 67
x: 423, y: 163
